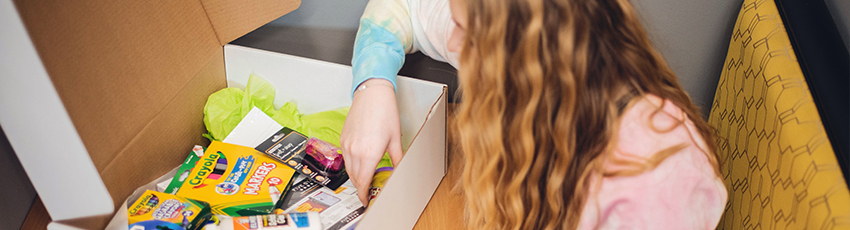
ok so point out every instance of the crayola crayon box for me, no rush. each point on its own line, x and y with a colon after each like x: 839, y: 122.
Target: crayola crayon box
x: 237, y: 180
x: 156, y: 210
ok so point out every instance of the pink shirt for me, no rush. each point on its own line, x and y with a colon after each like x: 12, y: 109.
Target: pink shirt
x: 682, y: 192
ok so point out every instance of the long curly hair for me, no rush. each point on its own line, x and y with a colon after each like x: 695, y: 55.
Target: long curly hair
x: 544, y: 84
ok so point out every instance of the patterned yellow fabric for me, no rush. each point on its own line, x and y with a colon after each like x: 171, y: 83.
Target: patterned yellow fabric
x: 775, y: 157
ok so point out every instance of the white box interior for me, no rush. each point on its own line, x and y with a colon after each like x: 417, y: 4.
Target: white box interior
x: 318, y: 86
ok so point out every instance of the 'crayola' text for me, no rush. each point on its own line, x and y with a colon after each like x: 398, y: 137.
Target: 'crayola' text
x: 206, y: 167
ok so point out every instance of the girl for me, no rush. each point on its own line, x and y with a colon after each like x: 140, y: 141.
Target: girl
x: 571, y: 120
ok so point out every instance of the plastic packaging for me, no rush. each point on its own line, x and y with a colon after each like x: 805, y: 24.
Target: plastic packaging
x: 328, y: 155
x: 318, y: 160
x: 378, y: 182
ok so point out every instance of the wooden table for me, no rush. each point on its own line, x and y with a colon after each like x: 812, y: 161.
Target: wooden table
x: 444, y: 211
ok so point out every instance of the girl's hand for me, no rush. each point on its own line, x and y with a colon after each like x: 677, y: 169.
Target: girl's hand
x: 371, y: 128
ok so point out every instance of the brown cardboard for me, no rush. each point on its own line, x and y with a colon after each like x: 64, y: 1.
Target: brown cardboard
x: 234, y: 18
x: 161, y: 144
x: 103, y: 56
x: 134, y: 75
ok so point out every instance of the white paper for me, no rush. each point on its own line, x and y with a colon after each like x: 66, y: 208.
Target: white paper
x: 254, y: 128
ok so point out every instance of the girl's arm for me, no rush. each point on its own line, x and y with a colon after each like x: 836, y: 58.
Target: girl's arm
x: 372, y: 126
x: 384, y: 37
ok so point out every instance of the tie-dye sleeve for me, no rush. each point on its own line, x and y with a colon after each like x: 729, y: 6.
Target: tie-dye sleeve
x: 385, y: 35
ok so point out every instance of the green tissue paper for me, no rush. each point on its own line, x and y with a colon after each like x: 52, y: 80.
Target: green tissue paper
x: 225, y: 108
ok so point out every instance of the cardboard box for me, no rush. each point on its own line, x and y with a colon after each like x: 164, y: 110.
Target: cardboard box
x: 99, y: 98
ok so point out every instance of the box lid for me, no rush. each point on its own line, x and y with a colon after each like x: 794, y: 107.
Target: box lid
x: 133, y: 76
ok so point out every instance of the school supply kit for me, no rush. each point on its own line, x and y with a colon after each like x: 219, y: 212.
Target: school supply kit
x: 261, y: 175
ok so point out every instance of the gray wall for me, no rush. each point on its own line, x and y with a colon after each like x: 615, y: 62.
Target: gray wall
x: 17, y: 191
x: 325, y: 14
x: 693, y: 36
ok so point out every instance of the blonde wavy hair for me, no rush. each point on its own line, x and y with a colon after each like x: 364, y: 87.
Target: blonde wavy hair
x: 544, y: 84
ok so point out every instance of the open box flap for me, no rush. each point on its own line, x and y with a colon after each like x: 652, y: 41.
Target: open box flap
x: 133, y: 77
x: 116, y: 64
x: 36, y: 124
x: 233, y: 18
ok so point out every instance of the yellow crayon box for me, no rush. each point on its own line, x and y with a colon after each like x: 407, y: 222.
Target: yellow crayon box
x: 156, y: 210
x: 237, y: 180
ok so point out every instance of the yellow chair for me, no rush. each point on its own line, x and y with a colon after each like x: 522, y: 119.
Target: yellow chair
x: 776, y: 158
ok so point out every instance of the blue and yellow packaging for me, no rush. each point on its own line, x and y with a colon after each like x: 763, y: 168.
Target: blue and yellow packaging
x: 156, y: 210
